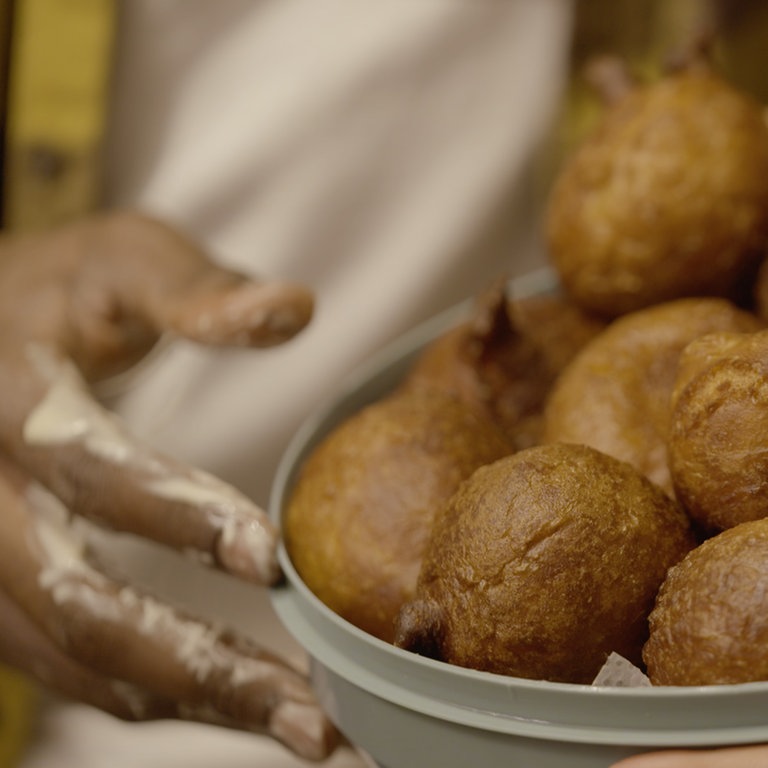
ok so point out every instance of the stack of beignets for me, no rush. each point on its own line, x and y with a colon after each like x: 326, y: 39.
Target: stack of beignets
x: 629, y: 512
x: 668, y: 199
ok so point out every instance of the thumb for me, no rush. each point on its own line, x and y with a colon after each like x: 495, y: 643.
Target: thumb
x: 170, y: 281
x: 229, y: 310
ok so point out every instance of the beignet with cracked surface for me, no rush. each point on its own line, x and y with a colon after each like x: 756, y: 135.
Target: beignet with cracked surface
x: 710, y: 623
x: 718, y: 441
x: 542, y: 564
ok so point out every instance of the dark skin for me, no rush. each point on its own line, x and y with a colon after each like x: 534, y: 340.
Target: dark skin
x: 77, y: 306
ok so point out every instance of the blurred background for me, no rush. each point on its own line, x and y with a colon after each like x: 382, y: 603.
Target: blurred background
x: 649, y: 34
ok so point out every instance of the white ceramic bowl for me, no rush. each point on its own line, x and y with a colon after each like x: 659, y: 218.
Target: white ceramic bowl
x: 407, y: 711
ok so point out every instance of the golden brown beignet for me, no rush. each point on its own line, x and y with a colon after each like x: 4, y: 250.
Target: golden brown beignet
x: 615, y: 394
x: 359, y: 515
x: 542, y: 564
x: 503, y: 360
x: 718, y: 443
x: 760, y: 291
x: 710, y: 623
x: 556, y: 326
x: 668, y: 197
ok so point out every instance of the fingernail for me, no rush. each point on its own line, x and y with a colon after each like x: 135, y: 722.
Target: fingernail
x: 247, y: 542
x: 304, y: 729
x: 247, y: 548
x: 257, y: 314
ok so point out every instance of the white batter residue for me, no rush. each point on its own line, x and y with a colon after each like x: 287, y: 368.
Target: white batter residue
x: 132, y: 696
x: 195, y: 644
x: 67, y: 413
x: 248, y: 544
x: 62, y: 540
x: 199, y: 489
x: 246, y: 540
x: 63, y: 547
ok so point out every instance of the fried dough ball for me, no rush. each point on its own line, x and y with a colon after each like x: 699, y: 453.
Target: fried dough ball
x: 542, y: 564
x: 616, y: 393
x: 710, y: 623
x: 668, y: 198
x: 357, y: 520
x: 488, y: 364
x: 556, y: 326
x: 760, y: 291
x: 503, y: 360
x: 718, y: 444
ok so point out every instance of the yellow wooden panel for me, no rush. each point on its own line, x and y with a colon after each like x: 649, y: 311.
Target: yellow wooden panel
x: 18, y: 704
x: 60, y: 68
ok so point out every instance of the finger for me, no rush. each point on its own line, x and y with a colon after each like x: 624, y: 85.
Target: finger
x: 242, y: 313
x: 23, y: 644
x: 104, y: 289
x: 28, y: 649
x: 25, y: 647
x: 151, y: 270
x: 735, y: 757
x: 210, y: 674
x: 87, y: 457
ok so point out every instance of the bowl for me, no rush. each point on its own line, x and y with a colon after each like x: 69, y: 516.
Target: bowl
x: 407, y: 711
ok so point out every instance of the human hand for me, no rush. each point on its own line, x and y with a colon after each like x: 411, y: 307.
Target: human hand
x: 76, y: 306
x: 735, y: 757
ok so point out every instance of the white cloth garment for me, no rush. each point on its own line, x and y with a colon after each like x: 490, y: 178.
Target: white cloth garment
x: 385, y: 153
